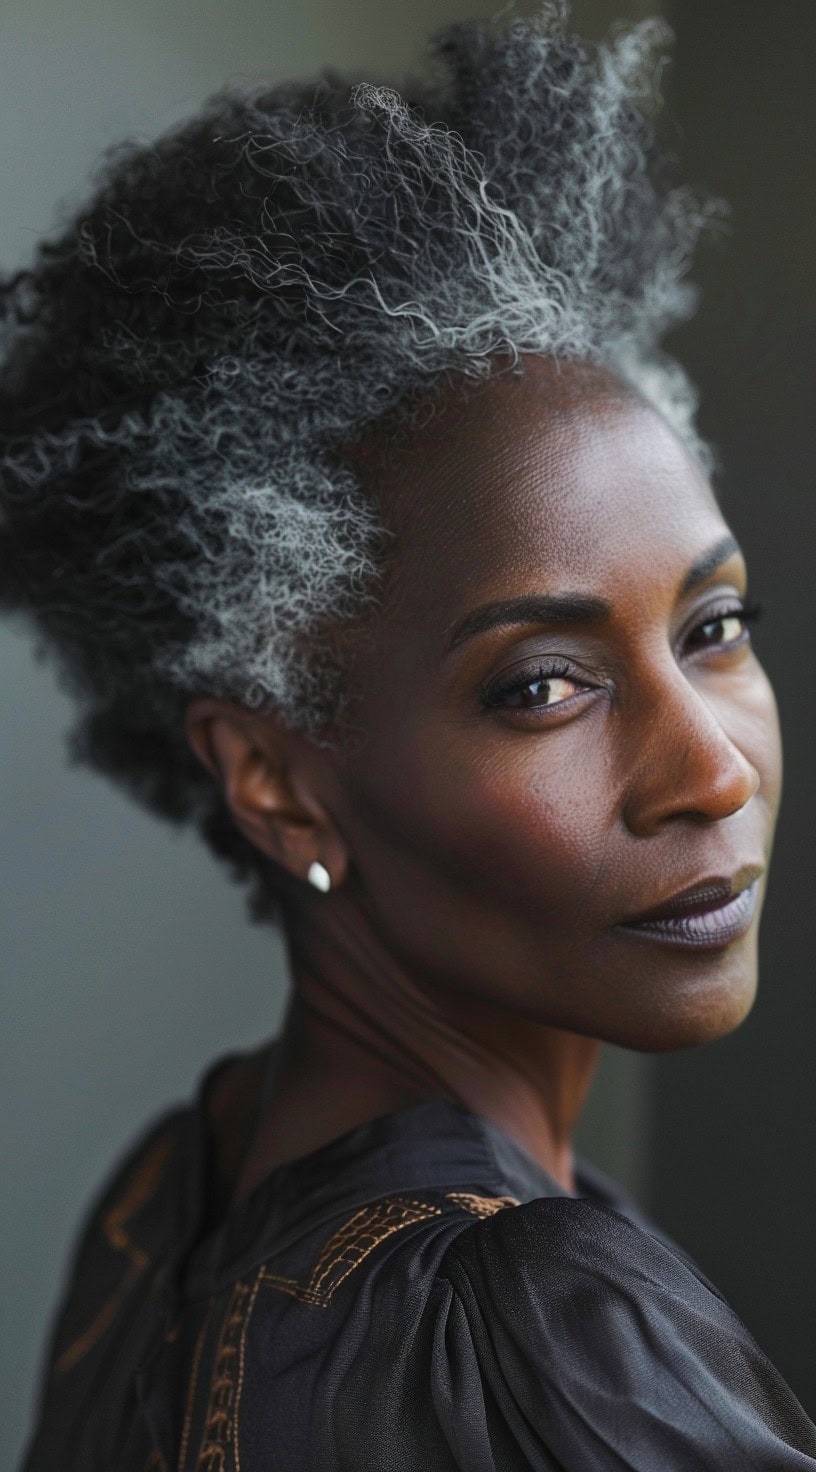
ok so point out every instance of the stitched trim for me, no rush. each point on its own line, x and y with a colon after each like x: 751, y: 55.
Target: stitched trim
x: 140, y: 1186
x: 218, y: 1425
x: 241, y: 1367
x: 191, y: 1388
x: 480, y: 1205
x: 350, y: 1245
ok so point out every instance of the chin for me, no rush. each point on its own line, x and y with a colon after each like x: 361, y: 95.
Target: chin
x: 709, y: 1002
x: 667, y: 998
x: 704, y: 1025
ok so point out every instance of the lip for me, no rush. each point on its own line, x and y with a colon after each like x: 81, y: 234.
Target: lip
x: 711, y: 913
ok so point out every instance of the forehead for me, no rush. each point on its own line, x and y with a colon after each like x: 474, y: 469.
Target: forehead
x: 559, y: 478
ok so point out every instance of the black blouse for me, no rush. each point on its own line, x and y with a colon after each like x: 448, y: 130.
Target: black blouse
x: 416, y: 1296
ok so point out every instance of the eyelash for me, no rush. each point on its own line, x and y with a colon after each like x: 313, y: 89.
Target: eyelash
x: 748, y: 612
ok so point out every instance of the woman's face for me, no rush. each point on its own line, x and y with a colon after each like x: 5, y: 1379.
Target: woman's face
x: 564, y: 725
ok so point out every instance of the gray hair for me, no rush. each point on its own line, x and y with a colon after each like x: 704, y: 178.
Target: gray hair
x: 236, y: 301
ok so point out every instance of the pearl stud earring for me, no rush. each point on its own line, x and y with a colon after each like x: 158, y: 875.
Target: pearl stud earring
x: 319, y: 876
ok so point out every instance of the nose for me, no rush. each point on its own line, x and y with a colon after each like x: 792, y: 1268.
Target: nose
x: 687, y: 766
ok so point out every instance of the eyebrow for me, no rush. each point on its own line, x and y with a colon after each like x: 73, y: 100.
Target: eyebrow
x: 555, y: 608
x: 709, y: 562
x: 568, y: 608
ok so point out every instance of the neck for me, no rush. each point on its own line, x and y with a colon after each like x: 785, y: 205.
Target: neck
x: 363, y: 1038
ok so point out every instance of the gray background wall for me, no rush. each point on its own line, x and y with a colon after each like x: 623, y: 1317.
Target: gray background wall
x: 111, y: 926
x: 734, y: 1125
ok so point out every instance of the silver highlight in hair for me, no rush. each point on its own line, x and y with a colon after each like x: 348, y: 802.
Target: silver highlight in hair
x: 182, y: 365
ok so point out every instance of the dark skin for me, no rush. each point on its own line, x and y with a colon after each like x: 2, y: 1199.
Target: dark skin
x: 484, y: 846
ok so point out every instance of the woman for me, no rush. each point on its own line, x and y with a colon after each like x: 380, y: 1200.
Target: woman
x: 346, y: 480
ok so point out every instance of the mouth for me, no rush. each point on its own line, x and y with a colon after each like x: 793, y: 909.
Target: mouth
x: 707, y: 915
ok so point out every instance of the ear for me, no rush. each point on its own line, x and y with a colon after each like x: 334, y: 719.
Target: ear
x: 271, y: 779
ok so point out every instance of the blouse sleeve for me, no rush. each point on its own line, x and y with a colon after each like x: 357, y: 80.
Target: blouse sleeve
x: 558, y: 1336
x: 580, y: 1341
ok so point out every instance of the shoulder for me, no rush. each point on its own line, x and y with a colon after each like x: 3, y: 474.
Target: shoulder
x: 134, y: 1179
x: 560, y: 1334
x: 136, y: 1214
x: 104, y: 1299
x: 122, y: 1232
x: 575, y: 1247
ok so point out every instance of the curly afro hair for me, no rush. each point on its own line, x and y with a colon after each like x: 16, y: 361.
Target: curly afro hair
x: 182, y: 362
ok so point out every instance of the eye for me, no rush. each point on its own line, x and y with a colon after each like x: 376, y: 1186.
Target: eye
x: 533, y: 689
x: 725, y: 627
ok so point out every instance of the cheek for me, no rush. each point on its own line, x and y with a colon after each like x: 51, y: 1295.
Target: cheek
x: 770, y: 761
x: 754, y: 726
x: 515, y: 828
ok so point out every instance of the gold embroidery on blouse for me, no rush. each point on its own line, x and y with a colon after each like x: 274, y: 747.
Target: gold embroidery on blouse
x: 221, y: 1421
x: 344, y: 1251
x: 480, y: 1205
x: 241, y: 1367
x: 140, y: 1186
x: 191, y: 1388
x: 350, y: 1245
